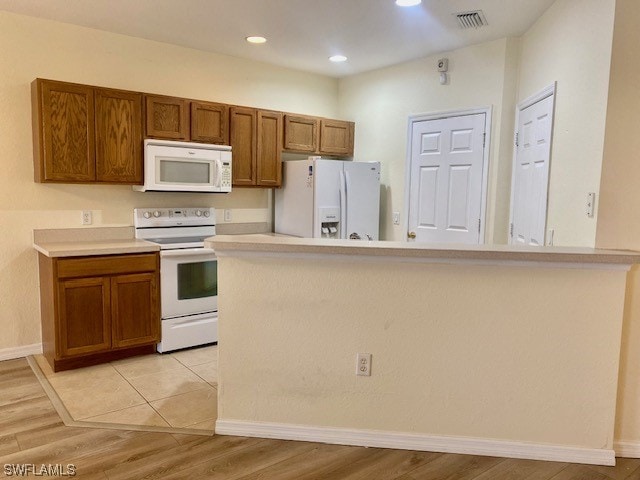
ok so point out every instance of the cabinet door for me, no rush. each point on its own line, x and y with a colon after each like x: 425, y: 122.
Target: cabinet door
x: 269, y: 155
x: 167, y: 117
x: 243, y: 143
x: 118, y: 136
x: 135, y: 309
x: 210, y: 122
x: 84, y: 316
x: 301, y: 133
x: 336, y: 137
x: 65, y: 135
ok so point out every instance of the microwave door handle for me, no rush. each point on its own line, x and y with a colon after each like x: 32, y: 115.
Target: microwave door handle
x: 218, y: 178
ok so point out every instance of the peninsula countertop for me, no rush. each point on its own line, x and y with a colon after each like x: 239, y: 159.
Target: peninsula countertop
x: 266, y: 243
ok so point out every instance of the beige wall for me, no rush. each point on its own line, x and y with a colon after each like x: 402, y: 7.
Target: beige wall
x: 381, y: 102
x: 38, y: 48
x: 477, y: 354
x: 571, y: 44
x: 618, y: 225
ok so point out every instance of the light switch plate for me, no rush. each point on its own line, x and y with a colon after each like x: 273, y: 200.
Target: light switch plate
x: 591, y: 202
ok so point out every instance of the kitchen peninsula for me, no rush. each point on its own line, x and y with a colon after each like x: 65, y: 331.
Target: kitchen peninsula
x: 491, y: 350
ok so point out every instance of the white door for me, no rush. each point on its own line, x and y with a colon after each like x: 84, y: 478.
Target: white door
x: 530, y: 180
x: 446, y: 179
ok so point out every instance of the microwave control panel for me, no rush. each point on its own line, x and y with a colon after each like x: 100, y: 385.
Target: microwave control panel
x: 226, y: 174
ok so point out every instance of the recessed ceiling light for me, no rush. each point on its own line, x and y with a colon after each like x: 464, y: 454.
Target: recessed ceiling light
x: 408, y: 3
x: 256, y: 39
x: 338, y: 58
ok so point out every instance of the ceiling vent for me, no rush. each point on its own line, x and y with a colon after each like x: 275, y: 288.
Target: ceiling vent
x: 474, y: 19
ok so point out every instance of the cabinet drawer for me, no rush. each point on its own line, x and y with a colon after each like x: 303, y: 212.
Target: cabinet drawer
x: 106, y: 265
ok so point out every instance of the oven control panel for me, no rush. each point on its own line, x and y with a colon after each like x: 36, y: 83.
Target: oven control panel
x: 167, y: 217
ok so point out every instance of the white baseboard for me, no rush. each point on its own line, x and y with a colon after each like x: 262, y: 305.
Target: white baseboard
x: 19, y: 352
x: 413, y: 441
x: 627, y: 449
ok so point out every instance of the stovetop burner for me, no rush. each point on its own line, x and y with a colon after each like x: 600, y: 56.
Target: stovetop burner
x: 175, y: 228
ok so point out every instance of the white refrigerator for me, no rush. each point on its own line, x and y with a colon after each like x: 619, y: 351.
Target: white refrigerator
x: 323, y: 198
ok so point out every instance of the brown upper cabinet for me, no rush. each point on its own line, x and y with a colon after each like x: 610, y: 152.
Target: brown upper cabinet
x: 118, y: 136
x: 210, y: 122
x: 300, y: 133
x: 269, y: 149
x: 256, y: 142
x: 166, y: 117
x: 84, y: 134
x: 336, y: 137
x: 172, y: 118
x: 307, y: 134
x: 243, y: 145
x: 87, y: 134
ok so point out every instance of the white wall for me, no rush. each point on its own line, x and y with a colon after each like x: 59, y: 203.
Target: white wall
x: 39, y: 48
x: 618, y: 225
x: 381, y: 101
x: 571, y: 44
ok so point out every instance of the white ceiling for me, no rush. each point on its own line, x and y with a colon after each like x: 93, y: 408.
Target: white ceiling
x: 301, y: 34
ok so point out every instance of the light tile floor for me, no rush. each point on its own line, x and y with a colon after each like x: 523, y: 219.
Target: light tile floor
x: 175, y: 389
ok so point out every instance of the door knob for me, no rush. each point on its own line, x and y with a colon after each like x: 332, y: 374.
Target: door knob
x: 411, y: 234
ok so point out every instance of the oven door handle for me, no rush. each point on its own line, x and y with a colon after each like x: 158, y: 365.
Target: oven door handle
x: 190, y: 252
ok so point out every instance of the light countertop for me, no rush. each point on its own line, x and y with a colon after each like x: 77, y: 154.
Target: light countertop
x: 77, y: 242
x: 411, y: 250
x: 95, y: 247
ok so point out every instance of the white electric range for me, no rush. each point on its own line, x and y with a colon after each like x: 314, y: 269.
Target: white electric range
x: 188, y: 273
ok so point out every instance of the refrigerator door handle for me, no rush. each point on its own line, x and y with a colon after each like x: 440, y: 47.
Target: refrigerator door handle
x: 347, y: 189
x: 343, y: 205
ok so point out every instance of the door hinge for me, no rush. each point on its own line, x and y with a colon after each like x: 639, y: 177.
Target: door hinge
x: 511, y: 229
x: 517, y: 139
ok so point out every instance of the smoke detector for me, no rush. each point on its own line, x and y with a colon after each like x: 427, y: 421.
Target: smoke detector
x: 472, y: 19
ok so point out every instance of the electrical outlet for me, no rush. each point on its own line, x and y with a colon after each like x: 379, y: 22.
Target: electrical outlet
x: 227, y: 215
x: 396, y: 218
x: 87, y: 217
x: 363, y: 364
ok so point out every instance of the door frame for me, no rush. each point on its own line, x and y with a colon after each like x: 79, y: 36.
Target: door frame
x: 485, y: 161
x: 548, y: 91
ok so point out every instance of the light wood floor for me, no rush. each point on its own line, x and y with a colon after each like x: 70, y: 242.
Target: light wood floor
x: 31, y: 432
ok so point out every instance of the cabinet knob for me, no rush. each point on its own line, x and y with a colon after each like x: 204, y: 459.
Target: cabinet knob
x: 156, y: 214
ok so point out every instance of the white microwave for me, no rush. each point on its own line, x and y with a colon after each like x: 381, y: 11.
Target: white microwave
x: 171, y: 166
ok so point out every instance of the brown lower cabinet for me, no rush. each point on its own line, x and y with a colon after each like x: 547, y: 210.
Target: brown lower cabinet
x: 99, y: 308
